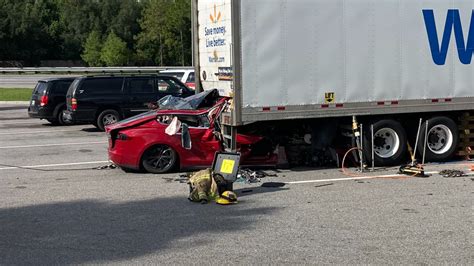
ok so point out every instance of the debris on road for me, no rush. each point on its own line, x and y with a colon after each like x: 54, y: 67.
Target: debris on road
x: 452, y: 173
x: 108, y: 166
x: 183, y: 178
x: 250, y: 176
x: 324, y: 185
x: 273, y: 184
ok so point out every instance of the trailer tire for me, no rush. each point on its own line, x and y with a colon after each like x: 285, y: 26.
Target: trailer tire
x: 443, y: 137
x: 389, y: 143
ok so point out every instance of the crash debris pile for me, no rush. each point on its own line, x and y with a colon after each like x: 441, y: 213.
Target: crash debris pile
x: 452, y: 173
x: 249, y: 176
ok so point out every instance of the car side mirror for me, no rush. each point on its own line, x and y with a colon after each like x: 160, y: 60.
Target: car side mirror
x: 185, y: 137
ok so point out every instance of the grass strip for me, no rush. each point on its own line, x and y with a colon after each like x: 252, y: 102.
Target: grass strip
x: 15, y: 94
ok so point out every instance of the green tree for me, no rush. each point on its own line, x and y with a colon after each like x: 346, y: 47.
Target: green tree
x: 27, y: 30
x: 165, y: 38
x: 35, y: 30
x: 150, y: 40
x: 124, y: 21
x: 114, y: 52
x: 178, y: 31
x: 77, y: 19
x: 92, y: 49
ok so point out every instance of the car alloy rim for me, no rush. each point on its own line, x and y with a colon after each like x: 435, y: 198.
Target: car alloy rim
x: 109, y: 119
x: 440, y: 139
x: 386, y: 142
x: 160, y: 158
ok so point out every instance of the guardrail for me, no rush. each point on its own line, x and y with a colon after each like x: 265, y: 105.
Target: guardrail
x: 85, y: 70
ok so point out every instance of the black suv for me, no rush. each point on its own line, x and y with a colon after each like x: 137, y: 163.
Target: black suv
x: 48, y: 100
x: 103, y: 100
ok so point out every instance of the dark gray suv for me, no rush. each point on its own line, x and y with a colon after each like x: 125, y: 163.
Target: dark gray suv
x: 48, y: 100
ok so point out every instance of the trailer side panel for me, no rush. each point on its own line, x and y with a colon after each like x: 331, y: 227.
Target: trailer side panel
x: 302, y: 55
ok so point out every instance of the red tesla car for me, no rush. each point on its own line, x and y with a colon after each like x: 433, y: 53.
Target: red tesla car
x: 141, y: 142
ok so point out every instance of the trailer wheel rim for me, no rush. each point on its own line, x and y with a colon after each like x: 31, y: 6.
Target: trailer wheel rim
x: 386, y: 142
x: 440, y: 139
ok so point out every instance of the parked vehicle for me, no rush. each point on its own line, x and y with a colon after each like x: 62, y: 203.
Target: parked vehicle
x: 104, y: 100
x: 321, y: 65
x: 185, y: 75
x: 48, y: 100
x: 141, y: 142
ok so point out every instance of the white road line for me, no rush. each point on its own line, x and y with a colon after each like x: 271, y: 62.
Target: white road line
x: 359, y: 178
x: 52, y: 165
x: 341, y: 179
x: 21, y: 122
x: 37, y: 132
x: 54, y: 144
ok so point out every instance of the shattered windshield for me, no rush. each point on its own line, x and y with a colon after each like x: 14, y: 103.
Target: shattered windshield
x: 201, y: 100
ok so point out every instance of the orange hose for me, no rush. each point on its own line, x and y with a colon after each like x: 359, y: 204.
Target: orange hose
x: 347, y: 173
x: 343, y: 162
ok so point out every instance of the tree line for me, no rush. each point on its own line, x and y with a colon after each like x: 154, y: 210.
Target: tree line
x: 98, y: 32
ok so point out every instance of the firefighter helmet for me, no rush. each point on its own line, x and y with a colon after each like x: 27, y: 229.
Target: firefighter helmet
x: 226, y: 198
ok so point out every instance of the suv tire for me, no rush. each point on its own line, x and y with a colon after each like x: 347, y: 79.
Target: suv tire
x: 58, y: 119
x: 107, y: 117
x: 59, y: 116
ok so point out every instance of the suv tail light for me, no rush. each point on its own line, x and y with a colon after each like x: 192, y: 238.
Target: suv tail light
x: 44, y: 100
x: 74, y: 104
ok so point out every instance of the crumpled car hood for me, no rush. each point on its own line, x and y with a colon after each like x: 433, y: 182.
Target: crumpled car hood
x: 196, y: 104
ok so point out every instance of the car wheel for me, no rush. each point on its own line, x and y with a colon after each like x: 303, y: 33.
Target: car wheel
x: 443, y: 137
x: 389, y: 143
x: 159, y: 159
x: 60, y: 117
x: 107, y: 117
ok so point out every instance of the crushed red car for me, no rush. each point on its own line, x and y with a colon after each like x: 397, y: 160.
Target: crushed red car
x: 141, y: 142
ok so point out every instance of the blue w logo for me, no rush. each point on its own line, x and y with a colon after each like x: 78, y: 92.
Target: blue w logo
x: 453, y: 21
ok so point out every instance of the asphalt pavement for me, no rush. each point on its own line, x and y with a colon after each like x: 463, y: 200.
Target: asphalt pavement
x: 57, y: 207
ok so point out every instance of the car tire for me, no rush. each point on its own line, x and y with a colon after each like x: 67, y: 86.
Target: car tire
x: 389, y: 143
x: 107, y: 117
x: 159, y: 159
x: 60, y: 117
x: 443, y: 137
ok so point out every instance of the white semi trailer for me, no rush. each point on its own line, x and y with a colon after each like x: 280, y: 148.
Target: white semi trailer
x: 304, y: 67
